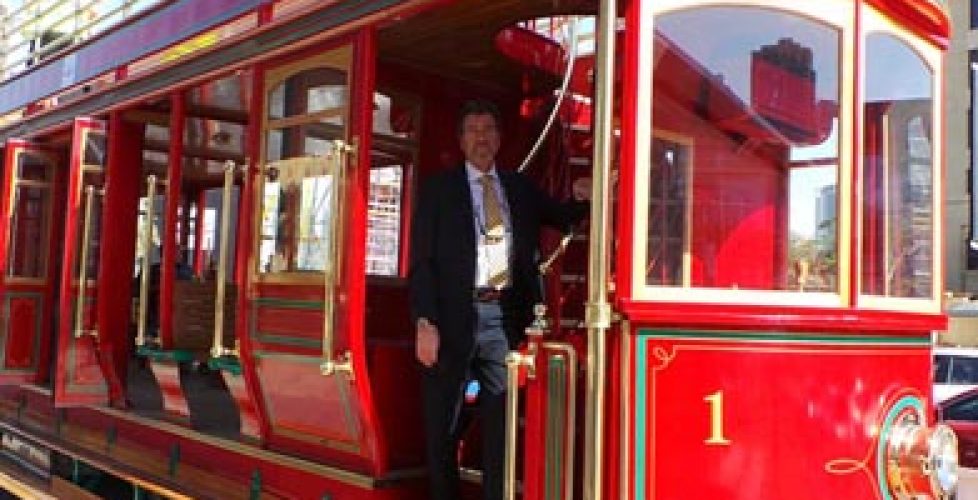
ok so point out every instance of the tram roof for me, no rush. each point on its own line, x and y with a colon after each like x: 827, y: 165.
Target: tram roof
x: 473, y: 24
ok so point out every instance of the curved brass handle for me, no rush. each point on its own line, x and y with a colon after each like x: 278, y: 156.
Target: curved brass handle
x: 217, y: 347
x: 147, y: 245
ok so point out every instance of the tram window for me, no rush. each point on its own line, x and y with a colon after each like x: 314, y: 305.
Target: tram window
x: 91, y: 178
x: 898, y: 180
x: 394, y: 148
x: 297, y: 216
x: 30, y: 218
x: 312, y: 91
x: 744, y: 154
x: 306, y: 113
x: 384, y: 220
x: 95, y: 149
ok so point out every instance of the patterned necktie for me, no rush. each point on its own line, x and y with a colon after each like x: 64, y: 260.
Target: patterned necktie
x: 493, y: 213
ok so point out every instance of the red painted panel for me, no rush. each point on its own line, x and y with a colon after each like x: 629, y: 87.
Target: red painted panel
x: 22, y: 332
x: 768, y: 419
x: 301, y: 323
x: 174, y: 185
x: 27, y: 303
x: 300, y: 386
x: 80, y: 376
x: 121, y: 203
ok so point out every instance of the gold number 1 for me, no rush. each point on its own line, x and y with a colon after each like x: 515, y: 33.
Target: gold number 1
x: 716, y: 420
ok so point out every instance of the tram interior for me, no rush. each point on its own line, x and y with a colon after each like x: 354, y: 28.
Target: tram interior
x: 723, y: 179
x: 419, y: 87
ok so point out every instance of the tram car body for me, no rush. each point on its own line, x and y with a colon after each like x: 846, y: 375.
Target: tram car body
x: 203, y: 219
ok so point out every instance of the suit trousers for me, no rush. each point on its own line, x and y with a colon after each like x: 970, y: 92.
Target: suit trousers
x: 443, y: 398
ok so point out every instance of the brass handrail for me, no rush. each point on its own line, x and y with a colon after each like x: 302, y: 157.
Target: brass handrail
x: 515, y: 361
x: 217, y: 348
x: 545, y: 266
x: 80, y: 330
x: 571, y: 412
x: 597, y: 315
x: 147, y: 245
x: 333, y: 362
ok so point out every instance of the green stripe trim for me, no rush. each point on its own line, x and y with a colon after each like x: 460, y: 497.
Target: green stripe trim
x: 641, y: 417
x: 271, y: 338
x: 819, y: 338
x: 225, y: 363
x: 175, y: 355
x: 296, y: 358
x: 556, y: 412
x: 314, y: 305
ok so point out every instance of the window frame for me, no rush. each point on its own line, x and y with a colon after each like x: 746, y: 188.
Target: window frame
x: 47, y: 216
x: 874, y: 21
x: 837, y: 14
x: 408, y: 147
x: 340, y: 57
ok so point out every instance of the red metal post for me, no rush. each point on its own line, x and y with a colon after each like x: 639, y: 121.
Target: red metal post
x: 254, y: 423
x: 174, y: 179
x: 121, y: 205
x: 356, y: 237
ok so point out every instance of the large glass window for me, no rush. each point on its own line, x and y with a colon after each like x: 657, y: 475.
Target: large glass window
x: 743, y: 174
x: 30, y: 217
x: 898, y: 182
x: 305, y: 120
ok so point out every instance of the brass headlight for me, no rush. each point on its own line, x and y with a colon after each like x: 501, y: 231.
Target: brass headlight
x: 921, y: 460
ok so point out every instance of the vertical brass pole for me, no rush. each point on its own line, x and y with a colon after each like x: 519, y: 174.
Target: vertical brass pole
x: 333, y: 362
x: 218, y: 349
x: 83, y: 264
x: 512, y: 419
x: 598, y: 310
x: 147, y: 246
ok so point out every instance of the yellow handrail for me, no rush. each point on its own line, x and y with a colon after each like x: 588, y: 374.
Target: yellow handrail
x: 80, y: 330
x: 332, y: 362
x: 147, y: 245
x: 218, y: 349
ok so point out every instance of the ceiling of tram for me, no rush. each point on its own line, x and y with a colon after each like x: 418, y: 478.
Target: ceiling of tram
x: 458, y: 39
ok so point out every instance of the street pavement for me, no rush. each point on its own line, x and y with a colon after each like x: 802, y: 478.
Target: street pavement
x: 968, y: 484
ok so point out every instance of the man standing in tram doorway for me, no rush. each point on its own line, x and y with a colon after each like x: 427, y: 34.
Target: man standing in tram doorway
x: 474, y: 280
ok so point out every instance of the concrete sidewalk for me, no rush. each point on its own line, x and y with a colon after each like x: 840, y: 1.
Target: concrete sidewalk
x: 968, y: 484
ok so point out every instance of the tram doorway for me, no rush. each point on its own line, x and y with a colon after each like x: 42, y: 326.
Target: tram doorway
x: 184, y: 284
x: 54, y: 293
x: 32, y: 189
x: 427, y: 67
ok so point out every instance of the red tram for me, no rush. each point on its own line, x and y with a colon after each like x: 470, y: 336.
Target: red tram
x: 203, y: 219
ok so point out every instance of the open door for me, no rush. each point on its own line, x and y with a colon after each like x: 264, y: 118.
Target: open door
x: 79, y: 378
x: 304, y: 340
x: 28, y: 280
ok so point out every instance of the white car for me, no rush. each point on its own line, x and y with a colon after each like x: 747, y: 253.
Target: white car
x: 955, y: 371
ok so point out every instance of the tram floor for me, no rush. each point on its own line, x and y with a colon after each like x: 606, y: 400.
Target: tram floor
x: 212, y: 409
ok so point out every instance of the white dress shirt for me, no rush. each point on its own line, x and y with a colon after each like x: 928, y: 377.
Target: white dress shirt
x: 492, y: 254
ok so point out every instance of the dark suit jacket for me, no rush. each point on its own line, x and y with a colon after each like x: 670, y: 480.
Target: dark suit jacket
x: 443, y: 258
